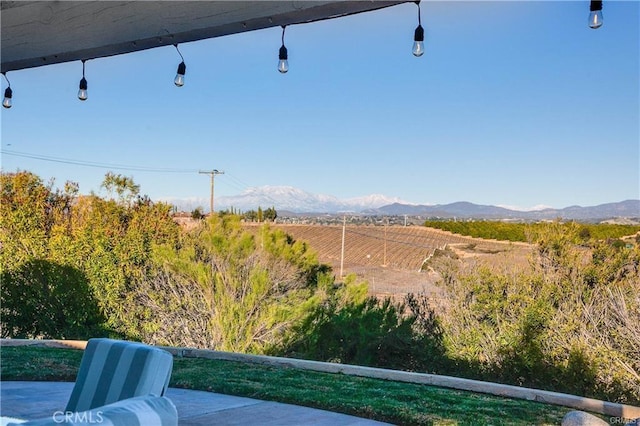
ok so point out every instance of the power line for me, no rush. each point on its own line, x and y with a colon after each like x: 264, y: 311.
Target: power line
x: 246, y: 186
x: 96, y: 164
x: 235, y: 183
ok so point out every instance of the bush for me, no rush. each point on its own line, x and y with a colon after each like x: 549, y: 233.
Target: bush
x: 350, y: 328
x: 42, y: 299
x: 571, y: 323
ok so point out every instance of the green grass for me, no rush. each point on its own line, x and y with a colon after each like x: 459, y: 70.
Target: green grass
x: 394, y: 402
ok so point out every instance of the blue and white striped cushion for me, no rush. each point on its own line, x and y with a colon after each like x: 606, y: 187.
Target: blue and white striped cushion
x: 113, y: 370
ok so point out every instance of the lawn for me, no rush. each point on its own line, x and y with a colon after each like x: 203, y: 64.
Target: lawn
x: 394, y: 402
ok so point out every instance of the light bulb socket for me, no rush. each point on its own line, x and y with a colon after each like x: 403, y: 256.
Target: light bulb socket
x: 83, y: 84
x: 283, y: 53
x: 8, y: 93
x: 182, y: 68
x: 419, y: 34
x: 595, y: 5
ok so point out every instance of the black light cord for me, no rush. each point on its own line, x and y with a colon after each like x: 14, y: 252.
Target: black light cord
x: 283, y: 55
x: 179, y: 53
x: 5, y: 77
x: 83, y: 82
x: 419, y: 17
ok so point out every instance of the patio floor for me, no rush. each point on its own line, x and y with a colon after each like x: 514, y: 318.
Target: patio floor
x: 33, y: 400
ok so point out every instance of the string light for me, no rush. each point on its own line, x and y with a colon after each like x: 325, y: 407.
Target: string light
x: 182, y: 69
x: 595, y: 14
x: 283, y: 63
x: 82, y: 92
x: 418, y: 36
x: 8, y: 94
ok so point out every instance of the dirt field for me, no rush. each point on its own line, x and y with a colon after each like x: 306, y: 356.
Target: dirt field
x: 391, y: 258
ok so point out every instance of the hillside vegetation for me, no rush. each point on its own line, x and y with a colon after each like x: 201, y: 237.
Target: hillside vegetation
x: 118, y: 265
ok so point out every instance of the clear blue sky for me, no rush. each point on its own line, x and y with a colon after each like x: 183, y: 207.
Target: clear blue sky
x: 514, y: 103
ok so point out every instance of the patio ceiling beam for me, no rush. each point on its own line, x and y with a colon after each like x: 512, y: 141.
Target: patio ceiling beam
x: 38, y: 33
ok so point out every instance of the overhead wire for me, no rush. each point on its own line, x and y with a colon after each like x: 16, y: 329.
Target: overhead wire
x: 96, y: 164
x: 233, y: 181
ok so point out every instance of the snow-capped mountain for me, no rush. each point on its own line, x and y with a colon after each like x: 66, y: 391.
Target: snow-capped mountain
x: 294, y: 200
x: 299, y: 201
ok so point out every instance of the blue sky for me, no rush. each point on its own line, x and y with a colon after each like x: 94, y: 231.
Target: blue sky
x: 514, y: 103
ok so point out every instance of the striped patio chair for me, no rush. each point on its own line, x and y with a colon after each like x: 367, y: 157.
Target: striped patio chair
x: 113, y: 370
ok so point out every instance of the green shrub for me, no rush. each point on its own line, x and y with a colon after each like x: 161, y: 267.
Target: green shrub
x: 571, y: 323
x: 42, y: 299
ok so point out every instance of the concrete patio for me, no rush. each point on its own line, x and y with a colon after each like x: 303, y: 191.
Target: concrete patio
x: 33, y: 400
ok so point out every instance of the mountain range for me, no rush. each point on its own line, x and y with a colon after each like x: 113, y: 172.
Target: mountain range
x: 624, y: 209
x: 293, y: 201
x: 288, y: 198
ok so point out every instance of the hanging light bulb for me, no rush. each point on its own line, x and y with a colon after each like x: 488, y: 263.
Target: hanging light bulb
x: 418, y: 36
x: 595, y: 14
x: 179, y: 80
x: 283, y: 63
x: 182, y: 69
x: 82, y: 92
x: 8, y: 94
x: 418, y: 42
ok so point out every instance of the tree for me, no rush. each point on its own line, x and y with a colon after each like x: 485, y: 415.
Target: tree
x: 197, y: 213
x: 251, y: 215
x: 24, y: 218
x: 223, y: 291
x: 123, y: 186
x: 270, y: 214
x: 52, y: 239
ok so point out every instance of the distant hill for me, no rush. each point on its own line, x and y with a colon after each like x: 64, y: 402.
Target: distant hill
x: 289, y: 201
x: 622, y: 209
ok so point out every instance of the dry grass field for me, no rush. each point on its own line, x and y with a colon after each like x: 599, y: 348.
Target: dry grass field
x: 390, y: 258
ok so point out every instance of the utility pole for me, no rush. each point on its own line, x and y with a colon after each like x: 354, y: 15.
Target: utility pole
x: 385, y: 243
x: 211, y: 173
x: 344, y: 226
